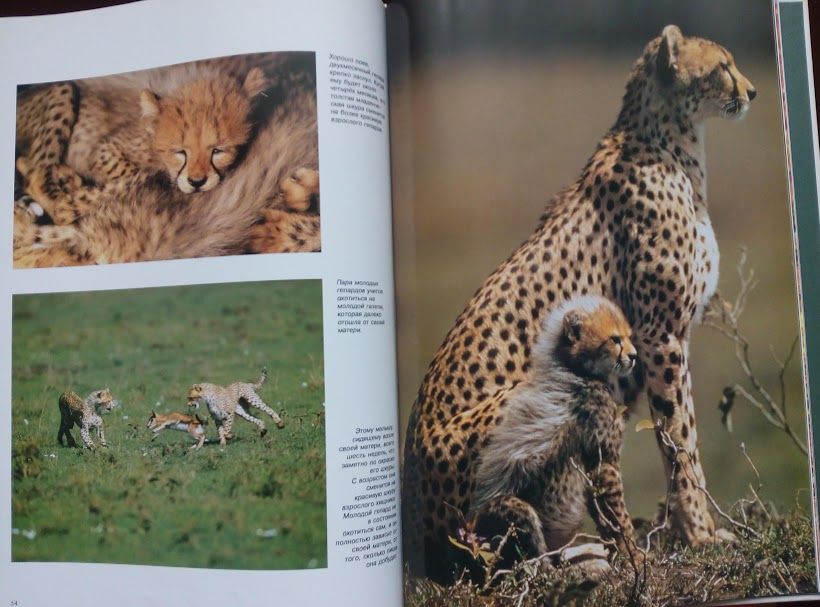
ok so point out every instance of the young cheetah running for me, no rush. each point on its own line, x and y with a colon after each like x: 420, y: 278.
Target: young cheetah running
x: 237, y: 398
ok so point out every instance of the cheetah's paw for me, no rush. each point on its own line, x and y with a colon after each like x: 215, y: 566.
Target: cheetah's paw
x: 51, y: 186
x: 300, y: 191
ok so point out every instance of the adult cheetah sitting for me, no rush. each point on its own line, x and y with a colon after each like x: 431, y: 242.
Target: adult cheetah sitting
x: 634, y: 227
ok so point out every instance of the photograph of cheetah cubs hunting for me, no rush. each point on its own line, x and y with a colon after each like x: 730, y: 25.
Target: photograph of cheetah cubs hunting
x: 635, y: 226
x: 213, y: 157
x: 163, y: 491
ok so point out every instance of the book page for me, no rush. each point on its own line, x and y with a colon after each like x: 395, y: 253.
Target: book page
x: 568, y: 158
x: 197, y: 308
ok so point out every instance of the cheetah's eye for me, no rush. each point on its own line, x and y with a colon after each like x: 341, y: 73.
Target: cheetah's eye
x: 616, y: 340
x: 217, y: 152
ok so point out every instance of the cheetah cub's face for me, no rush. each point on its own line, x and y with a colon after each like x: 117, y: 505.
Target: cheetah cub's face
x: 103, y: 400
x: 597, y: 342
x: 703, y: 75
x: 198, y: 130
x: 195, y: 395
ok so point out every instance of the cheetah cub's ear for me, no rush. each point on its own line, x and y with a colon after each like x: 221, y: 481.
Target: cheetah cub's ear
x: 667, y: 60
x: 149, y: 104
x: 573, y: 322
x: 255, y: 82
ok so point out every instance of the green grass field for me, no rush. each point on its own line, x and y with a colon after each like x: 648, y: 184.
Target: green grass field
x: 258, y: 503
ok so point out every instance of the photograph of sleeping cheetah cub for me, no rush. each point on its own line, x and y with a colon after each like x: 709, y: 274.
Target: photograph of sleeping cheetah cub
x: 85, y: 414
x: 555, y: 453
x: 192, y: 424
x: 225, y: 402
x: 206, y: 158
x: 120, y: 137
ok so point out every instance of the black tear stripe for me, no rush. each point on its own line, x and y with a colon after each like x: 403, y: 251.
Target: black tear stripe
x: 182, y: 168
x: 735, y: 89
x: 216, y: 170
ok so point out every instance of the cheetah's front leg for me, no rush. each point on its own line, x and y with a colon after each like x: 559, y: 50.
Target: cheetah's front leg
x: 608, y: 509
x: 101, y: 432
x: 85, y: 434
x: 669, y: 388
x: 280, y: 231
x: 224, y: 430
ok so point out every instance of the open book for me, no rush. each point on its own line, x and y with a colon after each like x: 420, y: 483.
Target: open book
x: 253, y: 355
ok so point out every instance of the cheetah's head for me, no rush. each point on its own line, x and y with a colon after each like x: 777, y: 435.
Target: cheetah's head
x: 103, y: 400
x: 700, y: 75
x: 596, y: 340
x: 198, y: 130
x: 195, y: 396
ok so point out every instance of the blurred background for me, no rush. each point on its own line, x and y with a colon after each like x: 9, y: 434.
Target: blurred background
x: 497, y: 105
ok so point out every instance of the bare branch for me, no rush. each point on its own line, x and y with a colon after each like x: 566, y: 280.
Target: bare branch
x: 724, y: 317
x: 668, y: 442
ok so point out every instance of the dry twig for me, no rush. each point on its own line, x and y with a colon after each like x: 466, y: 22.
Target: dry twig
x: 670, y: 444
x: 724, y: 317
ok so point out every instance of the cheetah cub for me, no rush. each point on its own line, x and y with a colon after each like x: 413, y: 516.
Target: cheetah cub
x: 187, y: 124
x: 85, y: 414
x: 192, y: 424
x: 556, y: 452
x: 235, y: 399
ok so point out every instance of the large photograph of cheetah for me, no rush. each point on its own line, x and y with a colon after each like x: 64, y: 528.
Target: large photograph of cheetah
x: 212, y: 157
x: 601, y: 368
x: 177, y: 426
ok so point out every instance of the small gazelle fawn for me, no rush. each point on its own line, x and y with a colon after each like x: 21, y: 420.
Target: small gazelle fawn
x: 192, y: 424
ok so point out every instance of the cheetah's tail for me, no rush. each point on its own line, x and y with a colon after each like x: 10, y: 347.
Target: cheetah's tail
x: 262, y: 379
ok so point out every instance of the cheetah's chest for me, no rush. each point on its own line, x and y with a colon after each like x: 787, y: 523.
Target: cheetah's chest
x: 706, y: 263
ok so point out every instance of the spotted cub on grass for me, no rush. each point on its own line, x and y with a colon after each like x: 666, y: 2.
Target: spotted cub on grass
x: 553, y: 453
x: 85, y: 414
x: 225, y: 402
